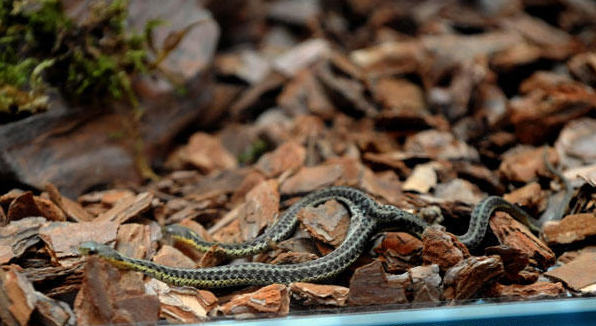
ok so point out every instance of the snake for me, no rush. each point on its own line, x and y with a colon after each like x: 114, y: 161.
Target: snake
x: 366, y: 218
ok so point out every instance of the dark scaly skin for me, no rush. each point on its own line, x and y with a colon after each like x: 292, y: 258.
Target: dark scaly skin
x: 367, y: 216
x: 287, y: 222
x: 480, y: 218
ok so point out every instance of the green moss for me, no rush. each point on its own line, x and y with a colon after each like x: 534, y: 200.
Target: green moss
x: 16, y: 101
x: 16, y: 74
x: 253, y: 152
x: 87, y: 62
x: 21, y: 88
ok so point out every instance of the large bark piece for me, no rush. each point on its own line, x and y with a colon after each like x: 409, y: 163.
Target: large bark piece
x: 75, y: 148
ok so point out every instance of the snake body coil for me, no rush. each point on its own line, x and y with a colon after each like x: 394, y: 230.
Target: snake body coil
x: 367, y: 216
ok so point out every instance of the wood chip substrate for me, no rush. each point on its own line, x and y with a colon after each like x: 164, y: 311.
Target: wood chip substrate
x: 429, y: 106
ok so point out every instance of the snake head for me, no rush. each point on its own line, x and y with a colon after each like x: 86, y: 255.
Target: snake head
x: 93, y: 248
x: 178, y: 231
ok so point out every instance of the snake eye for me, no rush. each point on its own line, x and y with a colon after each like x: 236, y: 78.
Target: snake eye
x: 169, y: 229
x: 88, y: 248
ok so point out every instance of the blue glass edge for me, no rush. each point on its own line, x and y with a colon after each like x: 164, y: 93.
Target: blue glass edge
x: 573, y: 311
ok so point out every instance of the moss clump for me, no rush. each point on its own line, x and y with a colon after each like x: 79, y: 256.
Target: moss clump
x: 14, y: 78
x: 253, y: 152
x: 86, y: 61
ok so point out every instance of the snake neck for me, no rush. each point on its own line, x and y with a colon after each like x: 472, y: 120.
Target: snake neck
x: 481, y: 215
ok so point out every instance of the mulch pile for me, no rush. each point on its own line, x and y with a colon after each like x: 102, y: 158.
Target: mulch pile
x: 428, y: 106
